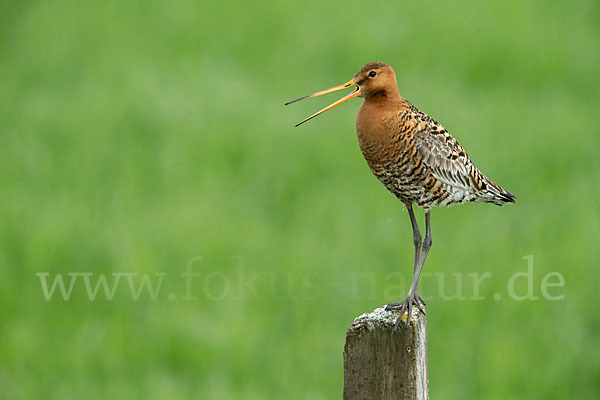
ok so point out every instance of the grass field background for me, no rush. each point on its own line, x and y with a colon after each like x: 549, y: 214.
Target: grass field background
x: 151, y: 137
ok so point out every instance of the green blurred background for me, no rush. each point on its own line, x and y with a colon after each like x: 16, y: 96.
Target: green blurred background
x: 145, y: 136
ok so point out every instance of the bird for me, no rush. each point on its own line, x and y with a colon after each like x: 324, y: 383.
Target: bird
x: 414, y: 157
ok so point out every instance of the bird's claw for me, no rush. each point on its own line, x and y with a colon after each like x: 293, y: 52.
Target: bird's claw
x: 406, y: 306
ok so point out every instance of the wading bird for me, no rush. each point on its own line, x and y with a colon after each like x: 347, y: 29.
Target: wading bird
x: 414, y: 157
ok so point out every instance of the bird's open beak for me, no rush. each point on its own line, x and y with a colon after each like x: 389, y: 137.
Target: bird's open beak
x: 349, y: 96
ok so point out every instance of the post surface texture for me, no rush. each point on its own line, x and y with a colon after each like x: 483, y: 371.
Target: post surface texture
x: 380, y: 366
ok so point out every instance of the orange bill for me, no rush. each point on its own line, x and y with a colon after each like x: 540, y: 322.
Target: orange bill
x: 349, y: 96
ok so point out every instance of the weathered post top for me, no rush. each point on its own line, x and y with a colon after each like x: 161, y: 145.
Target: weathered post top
x: 382, y: 366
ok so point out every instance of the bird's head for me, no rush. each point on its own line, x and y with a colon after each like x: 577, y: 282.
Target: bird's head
x: 374, y: 79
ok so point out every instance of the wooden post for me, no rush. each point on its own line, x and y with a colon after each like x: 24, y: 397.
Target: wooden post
x: 382, y: 366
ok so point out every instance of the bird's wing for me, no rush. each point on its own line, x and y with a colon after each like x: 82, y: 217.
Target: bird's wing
x: 445, y: 157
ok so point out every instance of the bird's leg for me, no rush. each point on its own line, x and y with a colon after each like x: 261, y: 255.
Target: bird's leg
x: 413, y: 292
x: 427, y: 241
x: 417, y: 243
x: 413, y: 297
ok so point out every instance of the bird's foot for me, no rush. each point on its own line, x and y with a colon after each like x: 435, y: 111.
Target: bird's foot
x: 419, y: 298
x: 406, y: 306
x: 396, y: 306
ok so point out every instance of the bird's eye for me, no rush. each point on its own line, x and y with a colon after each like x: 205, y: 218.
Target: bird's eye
x: 372, y: 74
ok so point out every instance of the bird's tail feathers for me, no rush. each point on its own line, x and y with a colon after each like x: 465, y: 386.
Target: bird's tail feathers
x: 498, y: 195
